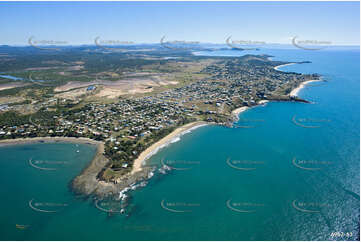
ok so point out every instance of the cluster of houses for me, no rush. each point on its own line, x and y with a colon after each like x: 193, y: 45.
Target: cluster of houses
x: 139, y: 117
x: 131, y: 120
x: 128, y: 118
x: 247, y: 82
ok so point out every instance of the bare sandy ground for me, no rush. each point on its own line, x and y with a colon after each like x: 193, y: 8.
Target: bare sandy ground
x: 113, y: 89
x: 74, y: 94
x: 12, y: 85
x: 122, y: 83
x: 42, y: 68
x: 76, y: 67
x: 70, y: 85
x: 11, y: 99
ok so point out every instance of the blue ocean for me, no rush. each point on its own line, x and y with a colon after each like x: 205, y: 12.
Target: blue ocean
x: 286, y: 171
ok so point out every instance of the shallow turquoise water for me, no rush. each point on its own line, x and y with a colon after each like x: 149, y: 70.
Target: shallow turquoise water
x: 269, y: 196
x: 48, y: 189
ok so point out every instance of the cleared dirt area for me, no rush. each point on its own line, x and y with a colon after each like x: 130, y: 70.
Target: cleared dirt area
x: 12, y: 85
x: 139, y: 83
x: 10, y: 99
x: 73, y: 94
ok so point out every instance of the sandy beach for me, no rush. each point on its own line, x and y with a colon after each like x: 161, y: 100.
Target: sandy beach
x: 295, y: 91
x: 237, y: 111
x: 137, y: 165
x: 263, y: 102
x: 87, y: 182
x: 48, y: 140
x: 277, y: 67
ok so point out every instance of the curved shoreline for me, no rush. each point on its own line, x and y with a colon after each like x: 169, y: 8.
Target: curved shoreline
x: 56, y: 139
x: 279, y: 66
x: 294, y: 92
x: 235, y: 113
x: 86, y: 182
x: 153, y: 149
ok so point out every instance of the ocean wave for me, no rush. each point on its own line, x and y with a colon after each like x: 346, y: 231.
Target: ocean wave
x: 176, y: 139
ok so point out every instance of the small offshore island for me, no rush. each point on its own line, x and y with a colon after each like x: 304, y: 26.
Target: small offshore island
x: 132, y: 106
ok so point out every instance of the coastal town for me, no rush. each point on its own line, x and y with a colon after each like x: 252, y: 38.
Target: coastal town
x: 131, y: 124
x: 180, y: 120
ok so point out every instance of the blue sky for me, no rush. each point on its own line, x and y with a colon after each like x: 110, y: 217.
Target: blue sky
x: 146, y: 22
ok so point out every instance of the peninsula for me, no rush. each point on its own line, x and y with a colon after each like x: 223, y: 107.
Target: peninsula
x: 131, y: 103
